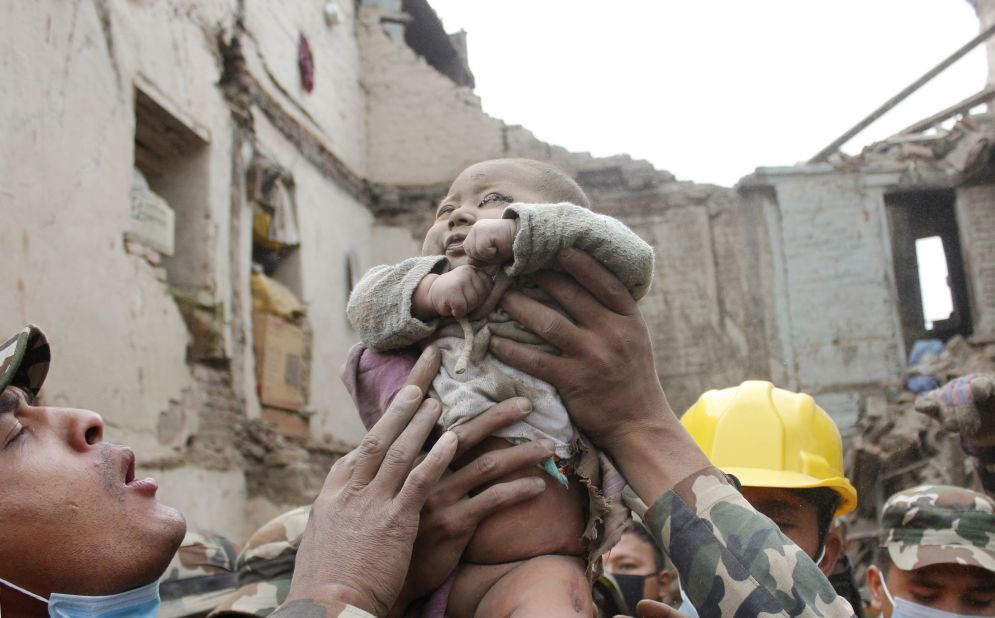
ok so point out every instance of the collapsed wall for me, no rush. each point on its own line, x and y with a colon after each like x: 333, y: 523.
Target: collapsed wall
x: 708, y: 308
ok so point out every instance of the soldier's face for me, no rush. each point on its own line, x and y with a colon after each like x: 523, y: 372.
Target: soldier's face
x: 797, y: 518
x: 955, y: 588
x: 634, y: 556
x: 73, y: 517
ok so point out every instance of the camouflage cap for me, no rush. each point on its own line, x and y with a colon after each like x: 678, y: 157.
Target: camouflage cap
x: 266, y: 566
x: 24, y: 360
x: 939, y: 524
x: 200, y: 576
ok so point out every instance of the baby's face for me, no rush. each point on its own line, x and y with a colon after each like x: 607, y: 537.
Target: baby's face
x: 481, y: 191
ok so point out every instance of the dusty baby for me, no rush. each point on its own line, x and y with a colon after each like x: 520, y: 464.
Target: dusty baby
x: 501, y: 221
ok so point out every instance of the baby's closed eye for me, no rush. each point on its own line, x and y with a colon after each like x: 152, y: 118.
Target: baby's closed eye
x: 495, y: 197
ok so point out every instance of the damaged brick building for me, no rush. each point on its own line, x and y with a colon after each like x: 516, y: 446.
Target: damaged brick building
x: 193, y: 187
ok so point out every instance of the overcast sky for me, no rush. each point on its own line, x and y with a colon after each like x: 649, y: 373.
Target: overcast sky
x: 711, y: 90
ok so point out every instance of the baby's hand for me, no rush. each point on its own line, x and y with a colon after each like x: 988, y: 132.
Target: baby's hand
x: 459, y: 291
x: 491, y: 241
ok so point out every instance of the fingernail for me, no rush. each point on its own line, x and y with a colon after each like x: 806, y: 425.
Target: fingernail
x: 524, y: 406
x: 547, y: 444
x: 566, y: 253
x: 410, y: 393
x: 449, y: 439
x: 536, y: 484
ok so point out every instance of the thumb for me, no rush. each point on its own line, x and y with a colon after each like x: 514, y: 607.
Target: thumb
x: 929, y: 406
x: 982, y: 388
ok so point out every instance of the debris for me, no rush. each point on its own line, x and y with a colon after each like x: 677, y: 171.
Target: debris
x: 897, y: 447
x: 269, y: 296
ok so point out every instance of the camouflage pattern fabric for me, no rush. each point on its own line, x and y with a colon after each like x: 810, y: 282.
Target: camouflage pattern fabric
x: 200, y: 576
x: 266, y: 565
x: 732, y: 560
x: 24, y: 360
x: 939, y: 524
x: 307, y: 608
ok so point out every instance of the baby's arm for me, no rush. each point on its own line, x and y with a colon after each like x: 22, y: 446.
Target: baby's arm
x: 540, y: 230
x: 380, y: 307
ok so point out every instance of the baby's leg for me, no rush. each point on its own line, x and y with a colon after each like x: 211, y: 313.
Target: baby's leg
x: 543, y: 587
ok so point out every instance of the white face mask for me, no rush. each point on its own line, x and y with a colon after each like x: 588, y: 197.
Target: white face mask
x: 902, y: 608
x: 140, y: 603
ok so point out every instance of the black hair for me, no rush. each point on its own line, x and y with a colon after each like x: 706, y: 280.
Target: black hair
x: 640, y: 530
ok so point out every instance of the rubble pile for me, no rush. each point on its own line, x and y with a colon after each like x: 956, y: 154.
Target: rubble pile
x: 897, y: 448
x: 286, y: 470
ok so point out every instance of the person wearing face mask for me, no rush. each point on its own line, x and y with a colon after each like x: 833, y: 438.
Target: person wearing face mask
x: 937, y: 555
x: 788, y: 455
x: 638, y: 567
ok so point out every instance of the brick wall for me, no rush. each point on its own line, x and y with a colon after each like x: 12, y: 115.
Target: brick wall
x: 975, y: 206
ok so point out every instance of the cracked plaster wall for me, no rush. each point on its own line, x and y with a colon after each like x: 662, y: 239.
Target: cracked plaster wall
x: 836, y: 302
x: 335, y: 111
x: 66, y: 105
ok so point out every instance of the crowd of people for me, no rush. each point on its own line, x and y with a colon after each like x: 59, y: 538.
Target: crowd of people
x: 513, y: 506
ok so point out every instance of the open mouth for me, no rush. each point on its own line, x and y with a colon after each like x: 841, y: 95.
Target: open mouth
x: 129, y: 466
x: 454, y: 244
x: 145, y: 485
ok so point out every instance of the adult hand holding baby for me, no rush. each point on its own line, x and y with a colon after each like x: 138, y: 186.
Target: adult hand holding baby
x: 464, y: 498
x: 362, y: 527
x: 605, y: 374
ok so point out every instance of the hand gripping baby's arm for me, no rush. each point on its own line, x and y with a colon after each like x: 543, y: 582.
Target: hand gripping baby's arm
x: 380, y: 305
x: 544, y: 229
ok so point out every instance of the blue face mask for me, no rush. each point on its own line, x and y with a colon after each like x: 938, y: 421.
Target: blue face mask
x: 902, y: 608
x: 141, y: 603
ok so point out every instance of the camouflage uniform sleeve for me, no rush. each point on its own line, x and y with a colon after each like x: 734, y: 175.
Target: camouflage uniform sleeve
x: 732, y: 560
x: 308, y: 608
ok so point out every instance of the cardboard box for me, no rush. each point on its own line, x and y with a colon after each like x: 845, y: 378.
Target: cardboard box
x: 281, y: 362
x: 290, y: 424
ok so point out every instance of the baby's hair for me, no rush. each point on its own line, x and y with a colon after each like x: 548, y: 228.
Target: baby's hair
x: 553, y: 182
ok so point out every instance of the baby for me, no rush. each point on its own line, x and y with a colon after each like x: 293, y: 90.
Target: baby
x: 501, y: 221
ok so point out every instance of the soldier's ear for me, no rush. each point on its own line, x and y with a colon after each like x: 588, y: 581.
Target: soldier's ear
x: 874, y: 577
x: 831, y: 555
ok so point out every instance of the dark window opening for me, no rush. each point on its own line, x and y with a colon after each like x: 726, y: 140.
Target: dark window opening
x: 171, y: 153
x: 929, y: 270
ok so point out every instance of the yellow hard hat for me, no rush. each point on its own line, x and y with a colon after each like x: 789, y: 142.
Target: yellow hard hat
x: 770, y: 437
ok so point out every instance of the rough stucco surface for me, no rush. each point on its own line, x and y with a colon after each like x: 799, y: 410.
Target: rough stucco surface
x: 422, y: 128
x: 975, y: 206
x: 335, y: 110
x: 119, y: 340
x: 838, y: 301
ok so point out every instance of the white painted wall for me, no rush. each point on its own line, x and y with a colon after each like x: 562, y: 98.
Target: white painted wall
x: 335, y: 110
x: 837, y: 306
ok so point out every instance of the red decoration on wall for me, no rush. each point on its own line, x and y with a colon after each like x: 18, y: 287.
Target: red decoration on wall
x: 305, y: 63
